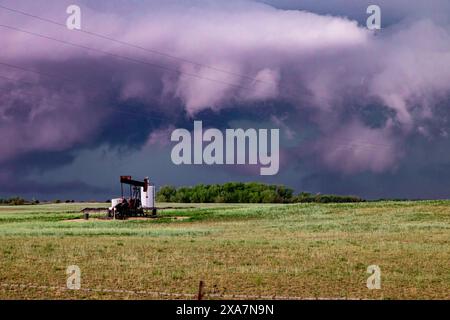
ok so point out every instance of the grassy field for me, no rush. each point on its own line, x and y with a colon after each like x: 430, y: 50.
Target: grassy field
x: 299, y: 251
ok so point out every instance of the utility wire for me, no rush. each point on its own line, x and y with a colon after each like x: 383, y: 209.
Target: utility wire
x: 122, y: 57
x: 132, y: 60
x: 57, y: 77
x: 33, y: 71
x: 101, y: 36
x: 150, y: 64
x: 140, y: 115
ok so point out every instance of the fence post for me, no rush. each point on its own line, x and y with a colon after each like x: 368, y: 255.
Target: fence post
x: 201, y: 292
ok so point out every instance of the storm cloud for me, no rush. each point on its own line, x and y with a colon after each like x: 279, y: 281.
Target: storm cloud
x: 348, y: 100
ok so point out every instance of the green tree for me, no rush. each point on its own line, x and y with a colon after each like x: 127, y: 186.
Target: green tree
x: 166, y: 194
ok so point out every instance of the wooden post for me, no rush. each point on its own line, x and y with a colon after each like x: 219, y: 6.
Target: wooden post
x: 201, y: 292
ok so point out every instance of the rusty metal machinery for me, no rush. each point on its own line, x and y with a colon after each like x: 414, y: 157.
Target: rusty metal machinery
x: 139, y: 203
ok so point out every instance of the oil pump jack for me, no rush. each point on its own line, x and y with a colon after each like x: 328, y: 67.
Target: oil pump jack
x: 140, y: 203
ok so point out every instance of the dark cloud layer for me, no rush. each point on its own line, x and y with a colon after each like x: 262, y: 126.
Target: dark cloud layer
x: 359, y: 112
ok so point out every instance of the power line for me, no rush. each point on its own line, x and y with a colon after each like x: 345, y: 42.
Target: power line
x: 109, y: 53
x: 58, y: 78
x: 140, y: 115
x: 132, y: 60
x: 122, y: 57
x: 153, y: 51
x: 150, y: 64
x: 33, y: 71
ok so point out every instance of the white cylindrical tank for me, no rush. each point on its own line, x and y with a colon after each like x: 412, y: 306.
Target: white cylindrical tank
x: 115, y: 202
x: 148, y: 198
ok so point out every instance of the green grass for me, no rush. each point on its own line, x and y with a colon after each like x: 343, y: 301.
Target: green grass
x: 300, y: 250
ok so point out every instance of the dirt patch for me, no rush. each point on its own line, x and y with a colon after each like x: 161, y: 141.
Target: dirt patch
x: 129, y: 219
x: 83, y: 220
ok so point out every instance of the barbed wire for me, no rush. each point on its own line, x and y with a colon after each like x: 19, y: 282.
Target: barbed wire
x: 171, y: 294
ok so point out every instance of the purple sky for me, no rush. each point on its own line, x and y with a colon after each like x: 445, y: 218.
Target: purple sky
x: 359, y: 112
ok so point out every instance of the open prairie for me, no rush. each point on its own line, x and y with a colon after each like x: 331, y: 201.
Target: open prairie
x: 303, y: 251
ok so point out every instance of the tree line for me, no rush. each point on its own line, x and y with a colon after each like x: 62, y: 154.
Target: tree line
x: 18, y: 201
x: 232, y: 192
x: 13, y: 201
x: 238, y: 192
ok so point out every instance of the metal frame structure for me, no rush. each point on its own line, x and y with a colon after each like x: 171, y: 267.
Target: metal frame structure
x: 132, y: 206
